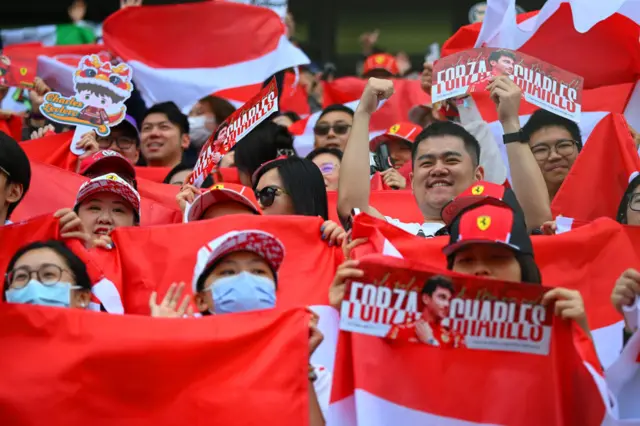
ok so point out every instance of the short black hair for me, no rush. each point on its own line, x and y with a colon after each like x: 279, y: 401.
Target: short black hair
x: 497, y: 54
x: 304, y: 183
x: 74, y: 263
x: 15, y: 161
x: 173, y: 113
x: 435, y: 282
x: 266, y: 142
x: 543, y: 118
x: 624, y: 203
x: 293, y: 116
x: 529, y: 271
x: 447, y: 128
x: 325, y: 150
x: 334, y: 108
x: 181, y: 168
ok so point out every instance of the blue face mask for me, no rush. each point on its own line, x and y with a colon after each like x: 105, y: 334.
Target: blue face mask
x: 36, y: 293
x: 242, y: 292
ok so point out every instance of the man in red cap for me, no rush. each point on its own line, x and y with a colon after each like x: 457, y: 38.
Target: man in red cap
x: 380, y: 65
x: 398, y: 141
x: 221, y: 199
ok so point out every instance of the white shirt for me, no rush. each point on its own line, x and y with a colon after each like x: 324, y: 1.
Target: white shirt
x: 8, y: 222
x: 428, y: 228
x: 322, y: 386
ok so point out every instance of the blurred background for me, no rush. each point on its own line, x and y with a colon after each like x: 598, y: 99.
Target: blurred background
x: 327, y: 30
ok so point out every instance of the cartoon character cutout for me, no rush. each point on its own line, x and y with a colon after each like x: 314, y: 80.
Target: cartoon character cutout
x: 100, y: 86
x: 101, y: 90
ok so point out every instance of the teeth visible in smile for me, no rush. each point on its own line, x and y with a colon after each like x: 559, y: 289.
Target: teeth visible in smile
x: 440, y: 184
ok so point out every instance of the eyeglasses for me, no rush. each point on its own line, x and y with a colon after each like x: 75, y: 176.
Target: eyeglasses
x: 634, y: 202
x: 338, y: 129
x: 267, y: 195
x: 564, y: 148
x: 3, y: 170
x: 123, y: 142
x: 47, y: 273
x: 328, y: 168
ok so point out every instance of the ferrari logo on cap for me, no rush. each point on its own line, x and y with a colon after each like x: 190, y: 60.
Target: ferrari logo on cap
x: 217, y: 186
x: 379, y: 59
x: 112, y: 177
x: 394, y: 129
x: 23, y: 71
x: 477, y: 190
x: 484, y: 222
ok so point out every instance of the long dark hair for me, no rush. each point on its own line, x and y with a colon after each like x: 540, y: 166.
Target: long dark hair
x: 529, y: 271
x: 624, y: 203
x: 74, y: 264
x: 304, y: 183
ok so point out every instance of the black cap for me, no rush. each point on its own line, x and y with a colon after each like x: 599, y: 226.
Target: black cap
x: 15, y: 163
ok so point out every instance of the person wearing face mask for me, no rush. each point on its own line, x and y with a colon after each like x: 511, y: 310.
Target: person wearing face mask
x: 47, y: 274
x: 238, y: 272
x: 199, y: 126
x: 204, y: 118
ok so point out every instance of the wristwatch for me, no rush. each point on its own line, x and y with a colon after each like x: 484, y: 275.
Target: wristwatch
x: 518, y: 136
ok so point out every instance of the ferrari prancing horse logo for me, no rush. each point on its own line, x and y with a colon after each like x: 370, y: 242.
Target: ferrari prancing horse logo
x: 477, y: 190
x: 393, y: 130
x: 484, y: 222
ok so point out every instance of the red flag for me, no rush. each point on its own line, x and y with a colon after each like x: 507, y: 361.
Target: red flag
x: 172, y: 65
x: 153, y: 258
x: 132, y: 370
x: 54, y: 150
x: 399, y: 205
x: 53, y: 189
x: 155, y: 174
x: 603, y: 169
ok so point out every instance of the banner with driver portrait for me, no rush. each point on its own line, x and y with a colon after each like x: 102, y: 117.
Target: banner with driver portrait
x: 397, y: 301
x: 542, y: 84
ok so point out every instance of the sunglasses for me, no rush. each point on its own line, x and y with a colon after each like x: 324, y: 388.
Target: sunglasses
x: 3, y: 170
x: 338, y: 129
x: 267, y: 195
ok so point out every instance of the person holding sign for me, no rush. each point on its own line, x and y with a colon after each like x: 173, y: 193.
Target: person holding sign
x: 490, y: 241
x: 445, y: 161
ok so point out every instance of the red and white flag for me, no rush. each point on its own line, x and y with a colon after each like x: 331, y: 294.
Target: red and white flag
x: 201, y: 48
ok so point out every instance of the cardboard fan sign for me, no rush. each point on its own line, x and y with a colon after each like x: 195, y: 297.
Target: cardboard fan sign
x: 101, y: 89
x: 542, y: 84
x: 234, y: 128
x: 16, y: 72
x: 415, y: 306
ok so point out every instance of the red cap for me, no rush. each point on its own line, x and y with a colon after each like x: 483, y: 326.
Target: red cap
x: 108, y: 161
x: 403, y: 131
x: 221, y: 192
x: 261, y: 243
x: 382, y: 61
x: 110, y: 183
x: 488, y: 224
x: 481, y: 192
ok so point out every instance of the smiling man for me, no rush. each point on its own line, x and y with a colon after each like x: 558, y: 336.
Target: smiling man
x: 445, y: 160
x: 164, y: 135
x: 555, y: 143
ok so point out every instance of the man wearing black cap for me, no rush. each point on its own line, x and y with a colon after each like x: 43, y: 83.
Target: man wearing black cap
x: 15, y: 176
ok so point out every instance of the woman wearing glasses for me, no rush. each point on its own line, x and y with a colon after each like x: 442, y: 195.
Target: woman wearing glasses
x: 328, y: 161
x: 627, y: 287
x: 47, y: 274
x: 295, y: 186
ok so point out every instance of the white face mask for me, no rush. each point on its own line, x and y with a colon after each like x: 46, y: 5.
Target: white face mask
x: 198, y: 132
